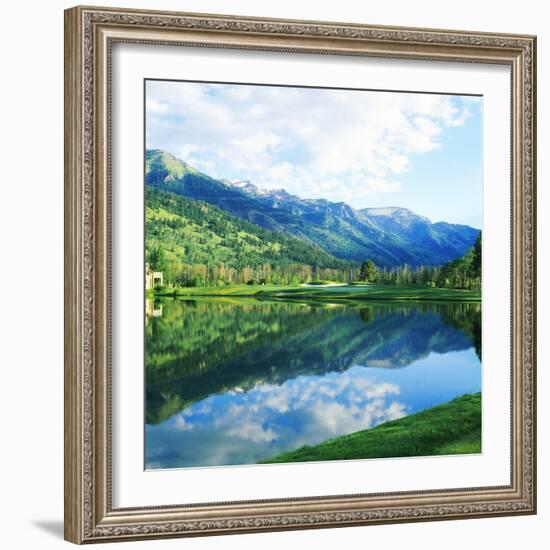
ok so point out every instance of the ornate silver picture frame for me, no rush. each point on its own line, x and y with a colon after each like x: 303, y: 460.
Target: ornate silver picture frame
x: 90, y: 36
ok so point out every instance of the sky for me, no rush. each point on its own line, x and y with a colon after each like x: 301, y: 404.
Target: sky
x: 366, y: 148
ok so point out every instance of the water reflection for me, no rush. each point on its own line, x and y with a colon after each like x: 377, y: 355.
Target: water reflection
x: 235, y: 381
x: 153, y: 308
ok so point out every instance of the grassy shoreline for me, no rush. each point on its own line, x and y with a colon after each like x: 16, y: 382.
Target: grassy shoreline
x: 450, y: 428
x: 354, y: 292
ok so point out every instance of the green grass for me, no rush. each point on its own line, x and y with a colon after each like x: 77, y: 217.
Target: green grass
x: 451, y: 428
x: 353, y: 292
x: 236, y: 290
x: 468, y: 444
x: 321, y: 283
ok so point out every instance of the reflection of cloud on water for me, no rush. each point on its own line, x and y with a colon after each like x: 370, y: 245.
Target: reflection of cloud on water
x: 267, y: 419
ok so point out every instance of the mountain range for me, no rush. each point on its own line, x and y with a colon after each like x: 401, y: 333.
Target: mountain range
x: 389, y: 236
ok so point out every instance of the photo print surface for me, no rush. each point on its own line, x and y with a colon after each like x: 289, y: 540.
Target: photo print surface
x: 312, y: 274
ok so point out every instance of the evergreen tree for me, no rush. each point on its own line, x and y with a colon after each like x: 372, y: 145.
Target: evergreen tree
x: 368, y: 271
x: 476, y: 260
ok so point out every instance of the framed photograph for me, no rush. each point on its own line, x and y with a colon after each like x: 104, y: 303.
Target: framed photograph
x: 300, y: 274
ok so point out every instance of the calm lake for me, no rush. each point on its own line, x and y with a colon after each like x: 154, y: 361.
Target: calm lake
x: 237, y: 380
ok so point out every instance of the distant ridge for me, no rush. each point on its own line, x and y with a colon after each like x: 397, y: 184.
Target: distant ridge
x: 390, y: 236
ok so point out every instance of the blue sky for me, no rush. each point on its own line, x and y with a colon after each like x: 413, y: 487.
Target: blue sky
x: 366, y: 148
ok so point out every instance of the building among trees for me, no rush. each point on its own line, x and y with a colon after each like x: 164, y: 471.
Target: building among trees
x: 152, y: 278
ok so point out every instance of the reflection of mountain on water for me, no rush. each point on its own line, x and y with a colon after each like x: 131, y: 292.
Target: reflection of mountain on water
x: 199, y: 348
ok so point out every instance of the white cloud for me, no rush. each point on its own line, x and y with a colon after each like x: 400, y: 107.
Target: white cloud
x: 329, y: 405
x: 270, y: 418
x: 314, y: 143
x: 186, y: 150
x: 382, y: 186
x: 155, y: 106
x: 180, y: 423
x: 259, y: 143
x: 252, y: 430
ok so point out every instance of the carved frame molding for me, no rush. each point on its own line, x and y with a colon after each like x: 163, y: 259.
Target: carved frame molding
x: 89, y: 35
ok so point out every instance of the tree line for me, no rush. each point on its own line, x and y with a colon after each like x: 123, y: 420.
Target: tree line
x: 462, y: 273
x: 219, y: 274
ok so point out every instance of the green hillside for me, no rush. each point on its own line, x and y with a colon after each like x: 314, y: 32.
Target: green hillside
x: 395, y: 238
x: 450, y: 428
x: 187, y: 237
